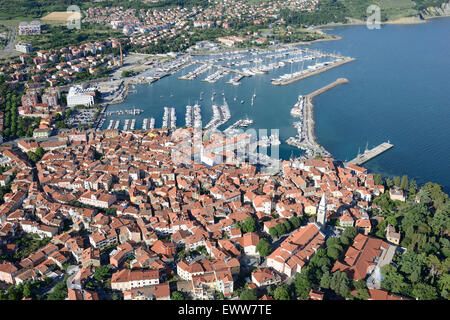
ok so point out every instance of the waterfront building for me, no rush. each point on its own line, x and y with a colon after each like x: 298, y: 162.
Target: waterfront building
x: 79, y: 96
x: 397, y: 194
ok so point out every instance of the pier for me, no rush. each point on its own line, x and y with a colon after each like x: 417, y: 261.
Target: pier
x: 371, y: 153
x: 309, y: 143
x: 303, y: 75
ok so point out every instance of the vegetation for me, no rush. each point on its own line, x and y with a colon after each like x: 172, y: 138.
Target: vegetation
x: 282, y: 292
x: 14, y: 126
x: 263, y: 248
x: 27, y: 244
x: 59, y: 291
x: 248, y: 294
x: 177, y: 295
x: 248, y: 225
x: 34, y: 157
x: 421, y: 272
x: 58, y: 36
x: 103, y: 273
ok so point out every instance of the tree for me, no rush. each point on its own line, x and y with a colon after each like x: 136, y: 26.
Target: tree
x: 333, y: 253
x: 27, y: 292
x: 362, y: 294
x: 177, y: 295
x: 340, y: 284
x: 325, y: 280
x: 404, y: 184
x: 359, y: 284
x: 263, y: 248
x: 396, y: 181
x: 273, y: 232
x: 248, y: 294
x: 281, y: 229
x: 413, y: 264
x: 392, y: 220
x: 392, y: 280
x: 441, y: 220
x: 423, y: 291
x: 287, y: 225
x: 412, y: 187
x: 102, y: 273
x: 39, y: 152
x: 296, y: 222
x: 249, y: 225
x: 378, y: 179
x: 59, y: 291
x: 302, y: 284
x: 350, y: 232
x: 434, y: 190
x: 282, y: 292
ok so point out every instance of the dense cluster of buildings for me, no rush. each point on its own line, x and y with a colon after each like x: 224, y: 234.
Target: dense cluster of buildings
x: 142, y: 210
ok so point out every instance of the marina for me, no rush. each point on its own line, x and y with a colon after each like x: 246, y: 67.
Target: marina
x: 221, y: 114
x: 125, y: 112
x: 169, y: 118
x: 193, y: 116
x: 338, y: 114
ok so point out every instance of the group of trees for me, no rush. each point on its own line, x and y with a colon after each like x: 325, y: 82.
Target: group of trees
x: 14, y: 126
x: 263, y: 248
x: 317, y: 274
x: 286, y: 226
x: 27, y: 290
x: 421, y: 272
x: 34, y: 157
x: 248, y: 225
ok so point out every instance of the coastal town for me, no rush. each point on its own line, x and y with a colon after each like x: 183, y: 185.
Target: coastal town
x: 93, y: 208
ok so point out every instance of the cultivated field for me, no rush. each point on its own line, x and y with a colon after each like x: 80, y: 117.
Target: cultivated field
x: 61, y: 16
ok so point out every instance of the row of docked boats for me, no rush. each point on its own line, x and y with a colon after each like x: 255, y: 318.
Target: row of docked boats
x: 193, y: 116
x: 169, y: 118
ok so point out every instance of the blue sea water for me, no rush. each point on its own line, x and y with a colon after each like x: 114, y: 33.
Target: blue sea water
x: 399, y: 90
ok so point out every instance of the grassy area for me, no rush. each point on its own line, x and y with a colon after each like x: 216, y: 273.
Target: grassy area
x: 57, y: 35
x: 390, y: 9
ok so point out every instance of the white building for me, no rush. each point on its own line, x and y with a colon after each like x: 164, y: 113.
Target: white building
x: 322, y: 211
x: 24, y: 47
x: 29, y: 28
x: 79, y: 96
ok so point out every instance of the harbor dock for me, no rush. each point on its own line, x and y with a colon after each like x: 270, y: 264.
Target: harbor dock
x: 371, y: 153
x: 307, y: 141
x: 302, y: 75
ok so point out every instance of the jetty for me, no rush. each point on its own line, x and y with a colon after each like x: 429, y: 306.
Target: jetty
x: 305, y: 74
x: 307, y: 141
x: 371, y: 153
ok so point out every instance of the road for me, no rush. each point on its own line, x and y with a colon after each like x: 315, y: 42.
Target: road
x: 10, y: 46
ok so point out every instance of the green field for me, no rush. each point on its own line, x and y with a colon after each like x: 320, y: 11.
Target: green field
x: 390, y: 9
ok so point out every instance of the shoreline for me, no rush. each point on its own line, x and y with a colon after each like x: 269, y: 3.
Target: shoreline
x: 400, y: 21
